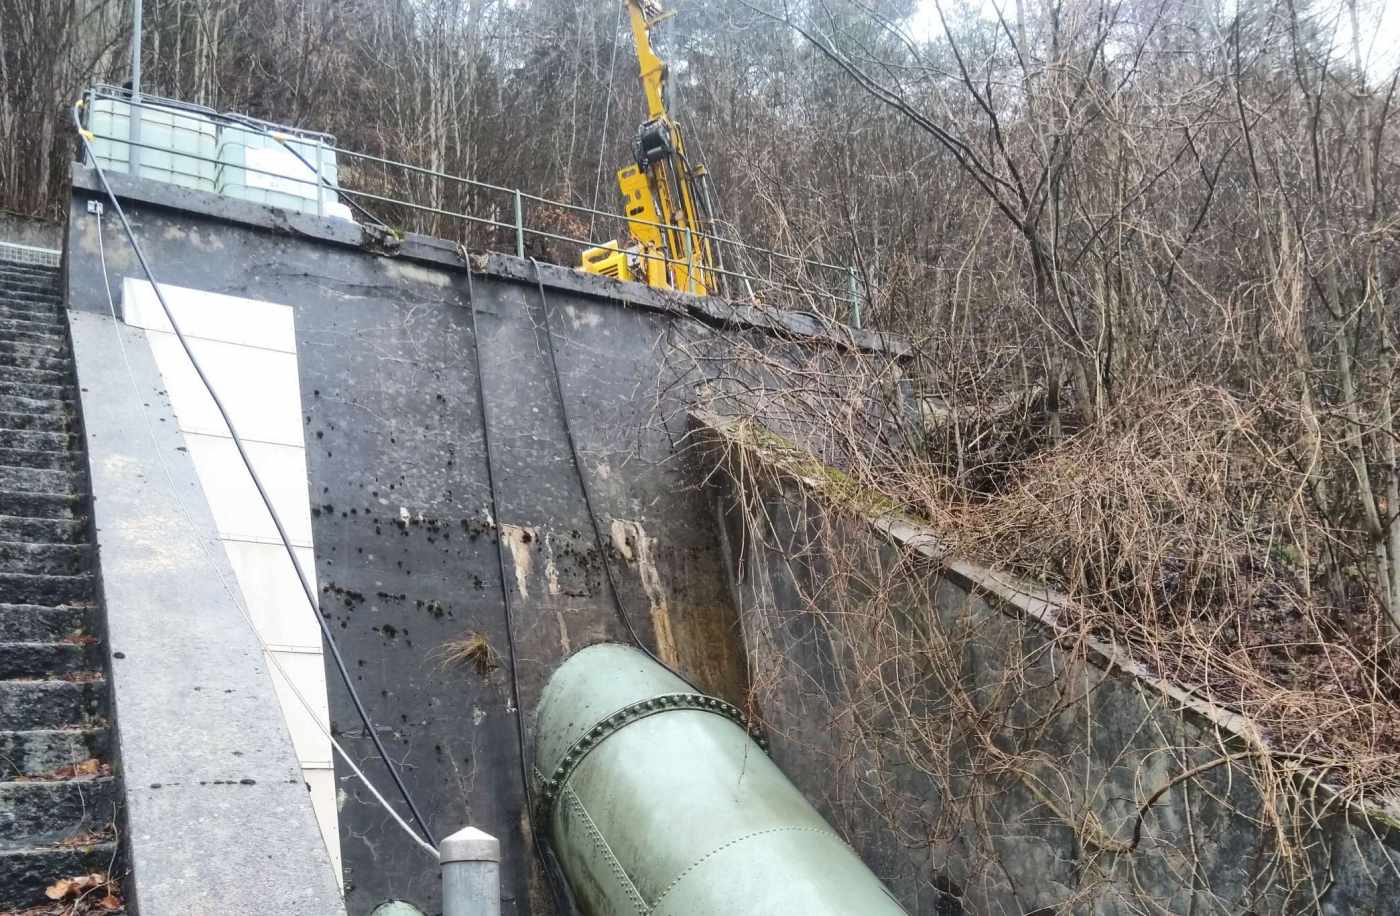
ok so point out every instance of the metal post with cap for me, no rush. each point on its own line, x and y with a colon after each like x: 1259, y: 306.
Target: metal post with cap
x: 134, y: 107
x: 471, y: 873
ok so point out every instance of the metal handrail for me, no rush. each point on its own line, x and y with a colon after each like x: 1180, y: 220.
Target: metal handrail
x: 747, y: 253
x: 579, y: 208
x: 544, y: 233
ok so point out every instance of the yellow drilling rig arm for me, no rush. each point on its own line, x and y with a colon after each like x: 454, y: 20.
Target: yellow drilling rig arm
x: 664, y: 198
x: 643, y: 16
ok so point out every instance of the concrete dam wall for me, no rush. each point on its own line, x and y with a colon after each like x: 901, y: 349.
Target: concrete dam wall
x: 353, y: 377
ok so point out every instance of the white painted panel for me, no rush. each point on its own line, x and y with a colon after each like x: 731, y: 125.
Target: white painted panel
x: 272, y: 593
x: 211, y: 316
x: 322, y: 783
x: 238, y: 510
x: 308, y: 673
x: 248, y: 350
x: 259, y: 388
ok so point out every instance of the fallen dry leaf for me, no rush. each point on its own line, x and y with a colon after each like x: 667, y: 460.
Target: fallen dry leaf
x: 69, y: 887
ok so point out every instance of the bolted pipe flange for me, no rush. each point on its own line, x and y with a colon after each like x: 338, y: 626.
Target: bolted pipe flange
x: 608, y: 725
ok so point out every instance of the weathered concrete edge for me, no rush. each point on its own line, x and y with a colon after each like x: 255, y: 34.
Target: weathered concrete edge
x: 217, y: 814
x: 1030, y: 601
x: 443, y: 253
x: 30, y: 230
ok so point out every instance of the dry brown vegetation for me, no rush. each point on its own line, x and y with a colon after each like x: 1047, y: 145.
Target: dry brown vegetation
x: 1172, y: 529
x: 473, y: 649
x: 949, y: 739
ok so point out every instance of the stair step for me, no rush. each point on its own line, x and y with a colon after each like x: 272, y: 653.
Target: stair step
x: 32, y: 301
x: 45, y: 750
x: 32, y: 376
x: 50, y: 703
x: 26, y: 267
x: 23, y: 319
x: 13, y: 284
x: 26, y: 871
x: 41, y: 623
x: 26, y: 588
x: 61, y: 506
x: 21, y: 280
x: 45, y: 559
x: 39, y: 480
x: 46, y: 310
x: 28, y: 360
x: 37, y: 440
x: 58, y: 809
x: 31, y: 323
x: 51, y: 459
x: 30, y: 334
x: 43, y: 312
x: 46, y: 530
x: 19, y: 403
x: 47, y: 659
x: 9, y: 281
x: 17, y: 348
x: 47, y: 392
x: 42, y: 422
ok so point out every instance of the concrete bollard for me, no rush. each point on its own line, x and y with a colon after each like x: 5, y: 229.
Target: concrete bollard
x: 471, y: 873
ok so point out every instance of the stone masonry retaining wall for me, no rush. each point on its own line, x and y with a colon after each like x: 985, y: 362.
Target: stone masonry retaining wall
x: 1052, y: 774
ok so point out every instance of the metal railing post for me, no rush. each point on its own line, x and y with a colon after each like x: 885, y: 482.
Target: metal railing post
x: 519, y: 226
x: 133, y: 124
x: 471, y: 874
x: 689, y: 261
x: 320, y: 182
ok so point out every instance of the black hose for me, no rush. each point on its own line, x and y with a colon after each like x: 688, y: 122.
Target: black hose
x: 587, y: 494
x: 562, y: 902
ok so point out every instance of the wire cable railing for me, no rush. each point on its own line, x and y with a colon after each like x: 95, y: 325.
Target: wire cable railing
x: 389, y: 196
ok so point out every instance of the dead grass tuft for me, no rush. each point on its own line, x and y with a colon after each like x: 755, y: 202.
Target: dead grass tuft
x: 472, y: 649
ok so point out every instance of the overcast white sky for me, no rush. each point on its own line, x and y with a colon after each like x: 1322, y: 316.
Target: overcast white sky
x: 1380, y: 26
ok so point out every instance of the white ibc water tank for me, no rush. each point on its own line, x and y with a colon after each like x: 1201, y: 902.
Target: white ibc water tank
x: 254, y: 166
x: 340, y: 211
x: 176, y: 146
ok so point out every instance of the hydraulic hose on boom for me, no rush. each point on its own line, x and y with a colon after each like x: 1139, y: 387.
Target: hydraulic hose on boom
x: 664, y: 196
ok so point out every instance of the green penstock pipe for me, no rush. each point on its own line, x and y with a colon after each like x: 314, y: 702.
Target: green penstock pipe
x: 657, y: 801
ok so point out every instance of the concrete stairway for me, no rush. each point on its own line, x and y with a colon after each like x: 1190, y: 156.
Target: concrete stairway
x: 57, y: 794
